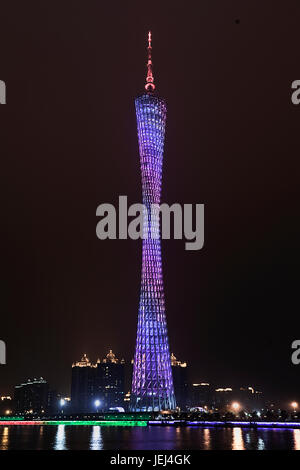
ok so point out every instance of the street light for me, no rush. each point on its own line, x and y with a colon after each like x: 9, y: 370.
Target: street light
x: 294, y: 405
x: 235, y: 406
x: 97, y: 404
x: 62, y: 404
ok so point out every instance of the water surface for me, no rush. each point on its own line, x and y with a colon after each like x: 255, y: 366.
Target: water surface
x: 64, y: 437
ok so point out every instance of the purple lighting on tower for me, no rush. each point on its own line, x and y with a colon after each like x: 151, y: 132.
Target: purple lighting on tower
x: 152, y: 382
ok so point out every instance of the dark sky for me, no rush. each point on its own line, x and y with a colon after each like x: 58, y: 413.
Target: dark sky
x: 69, y: 143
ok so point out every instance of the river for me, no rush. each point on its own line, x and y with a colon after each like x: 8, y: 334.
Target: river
x: 63, y: 437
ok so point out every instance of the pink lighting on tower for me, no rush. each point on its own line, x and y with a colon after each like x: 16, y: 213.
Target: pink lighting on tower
x: 149, y: 79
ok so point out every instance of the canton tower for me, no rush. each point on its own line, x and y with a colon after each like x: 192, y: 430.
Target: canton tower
x: 152, y: 382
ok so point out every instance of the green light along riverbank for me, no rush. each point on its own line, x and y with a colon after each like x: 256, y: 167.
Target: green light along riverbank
x: 24, y: 422
x: 142, y: 420
x: 109, y: 419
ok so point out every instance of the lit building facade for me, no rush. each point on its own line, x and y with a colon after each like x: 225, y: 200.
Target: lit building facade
x: 83, y: 388
x: 6, y: 406
x: 110, y: 382
x: 98, y: 386
x: 180, y: 381
x: 32, y: 397
x: 152, y: 382
x: 248, y: 398
x: 201, y: 395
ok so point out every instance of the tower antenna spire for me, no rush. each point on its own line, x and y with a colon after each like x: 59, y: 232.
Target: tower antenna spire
x: 149, y: 79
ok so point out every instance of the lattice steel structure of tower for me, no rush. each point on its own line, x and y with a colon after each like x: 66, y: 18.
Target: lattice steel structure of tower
x: 152, y: 382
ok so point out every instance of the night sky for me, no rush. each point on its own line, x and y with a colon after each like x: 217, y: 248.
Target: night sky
x: 69, y: 143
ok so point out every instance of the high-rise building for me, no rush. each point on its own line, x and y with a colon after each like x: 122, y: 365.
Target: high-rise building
x: 32, y: 396
x: 180, y: 381
x: 83, y: 387
x: 152, y: 382
x: 247, y: 398
x: 6, y: 405
x: 110, y: 382
x: 98, y: 386
x: 201, y: 395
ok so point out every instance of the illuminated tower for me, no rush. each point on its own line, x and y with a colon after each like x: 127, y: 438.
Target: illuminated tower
x: 152, y: 382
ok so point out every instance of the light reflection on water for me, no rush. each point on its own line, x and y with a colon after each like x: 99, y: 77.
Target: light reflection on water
x: 60, y: 438
x: 5, y: 438
x: 297, y: 439
x: 237, y: 439
x: 260, y: 444
x: 96, y: 439
x: 64, y: 437
x: 206, y: 438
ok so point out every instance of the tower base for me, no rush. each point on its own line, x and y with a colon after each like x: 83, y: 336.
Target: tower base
x: 152, y: 403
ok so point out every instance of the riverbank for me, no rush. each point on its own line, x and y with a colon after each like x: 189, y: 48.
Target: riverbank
x: 75, y: 422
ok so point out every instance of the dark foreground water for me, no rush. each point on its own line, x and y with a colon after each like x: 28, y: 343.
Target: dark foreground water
x: 63, y: 437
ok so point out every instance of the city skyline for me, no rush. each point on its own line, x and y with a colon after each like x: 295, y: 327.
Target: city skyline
x: 103, y: 385
x: 104, y: 382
